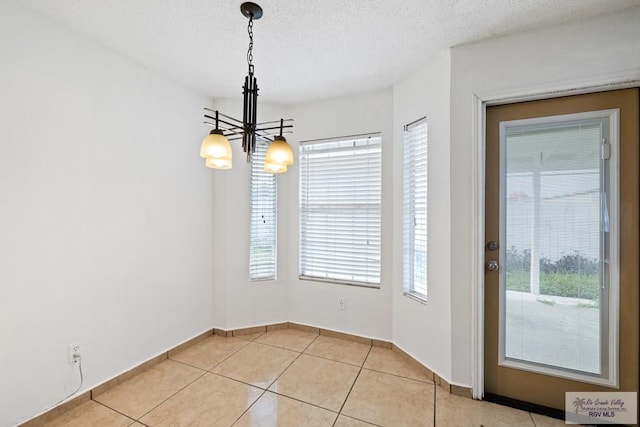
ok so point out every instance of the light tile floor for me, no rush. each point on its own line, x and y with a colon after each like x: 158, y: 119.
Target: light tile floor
x: 288, y: 378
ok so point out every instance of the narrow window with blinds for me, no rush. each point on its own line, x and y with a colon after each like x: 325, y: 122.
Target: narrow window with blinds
x: 340, y: 210
x: 414, y: 210
x: 263, y: 228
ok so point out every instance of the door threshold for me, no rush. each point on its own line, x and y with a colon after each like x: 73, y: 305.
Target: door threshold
x: 528, y: 406
x: 525, y: 406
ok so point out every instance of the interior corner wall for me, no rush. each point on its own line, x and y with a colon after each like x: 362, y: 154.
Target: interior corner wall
x: 105, y: 213
x: 563, y: 57
x: 240, y: 302
x: 424, y: 329
x: 368, y: 310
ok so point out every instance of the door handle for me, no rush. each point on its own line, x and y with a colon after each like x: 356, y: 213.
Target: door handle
x: 493, y: 266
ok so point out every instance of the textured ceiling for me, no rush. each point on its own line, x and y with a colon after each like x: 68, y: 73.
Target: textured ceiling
x: 304, y: 49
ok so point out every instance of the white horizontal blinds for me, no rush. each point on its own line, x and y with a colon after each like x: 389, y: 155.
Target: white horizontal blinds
x: 414, y: 216
x: 262, y: 251
x: 340, y: 210
x: 556, y: 241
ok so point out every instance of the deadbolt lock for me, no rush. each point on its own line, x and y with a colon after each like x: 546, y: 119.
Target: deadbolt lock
x: 493, y: 266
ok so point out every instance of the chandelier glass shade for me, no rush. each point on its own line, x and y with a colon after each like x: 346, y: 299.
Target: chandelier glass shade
x: 274, y: 168
x: 279, y: 152
x: 216, y: 148
x: 218, y: 164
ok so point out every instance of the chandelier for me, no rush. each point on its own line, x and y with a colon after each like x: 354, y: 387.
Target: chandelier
x: 216, y: 148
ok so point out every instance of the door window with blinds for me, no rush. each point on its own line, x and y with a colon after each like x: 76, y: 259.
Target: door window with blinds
x: 559, y: 284
x: 340, y: 210
x: 414, y: 210
x: 263, y: 218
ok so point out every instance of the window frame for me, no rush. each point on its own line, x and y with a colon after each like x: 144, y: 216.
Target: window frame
x: 372, y: 148
x: 610, y: 262
x: 259, y: 177
x: 414, y: 134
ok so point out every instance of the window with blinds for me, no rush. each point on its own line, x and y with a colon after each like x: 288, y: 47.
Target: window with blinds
x: 263, y: 218
x: 414, y: 210
x: 340, y: 210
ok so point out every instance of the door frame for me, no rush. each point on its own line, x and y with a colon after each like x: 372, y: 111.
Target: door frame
x: 481, y: 101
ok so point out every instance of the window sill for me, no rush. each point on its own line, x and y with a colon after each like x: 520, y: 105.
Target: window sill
x: 266, y: 279
x: 340, y: 282
x: 416, y: 297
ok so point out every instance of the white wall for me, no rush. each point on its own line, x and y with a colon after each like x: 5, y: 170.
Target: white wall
x: 438, y: 333
x: 240, y: 302
x: 424, y: 330
x: 563, y: 57
x: 111, y: 228
x: 105, y: 213
x: 368, y: 311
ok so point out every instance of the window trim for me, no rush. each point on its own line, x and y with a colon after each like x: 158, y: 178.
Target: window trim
x: 257, y: 161
x: 307, y: 277
x: 611, y: 338
x: 408, y: 289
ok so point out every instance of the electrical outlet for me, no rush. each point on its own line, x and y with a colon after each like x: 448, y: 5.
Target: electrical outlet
x: 341, y: 305
x: 74, y: 350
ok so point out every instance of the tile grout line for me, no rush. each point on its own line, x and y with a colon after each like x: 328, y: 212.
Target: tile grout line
x: 264, y: 390
x: 255, y: 339
x: 335, y: 360
x: 190, y: 365
x: 204, y: 372
x: 187, y: 385
x: 400, y: 376
x: 302, y: 401
x: 353, y: 385
x: 331, y: 360
x: 240, y: 337
x: 246, y: 342
x: 435, y: 408
x: 276, y: 379
x: 294, y: 360
x: 323, y: 358
x: 358, y: 419
x: 115, y: 410
x: 239, y: 381
x: 361, y: 366
x: 285, y: 348
x: 232, y: 354
x: 252, y: 385
x: 216, y: 364
x: 249, y: 407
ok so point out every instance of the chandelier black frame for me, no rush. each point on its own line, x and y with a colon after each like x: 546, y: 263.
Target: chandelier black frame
x: 248, y: 129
